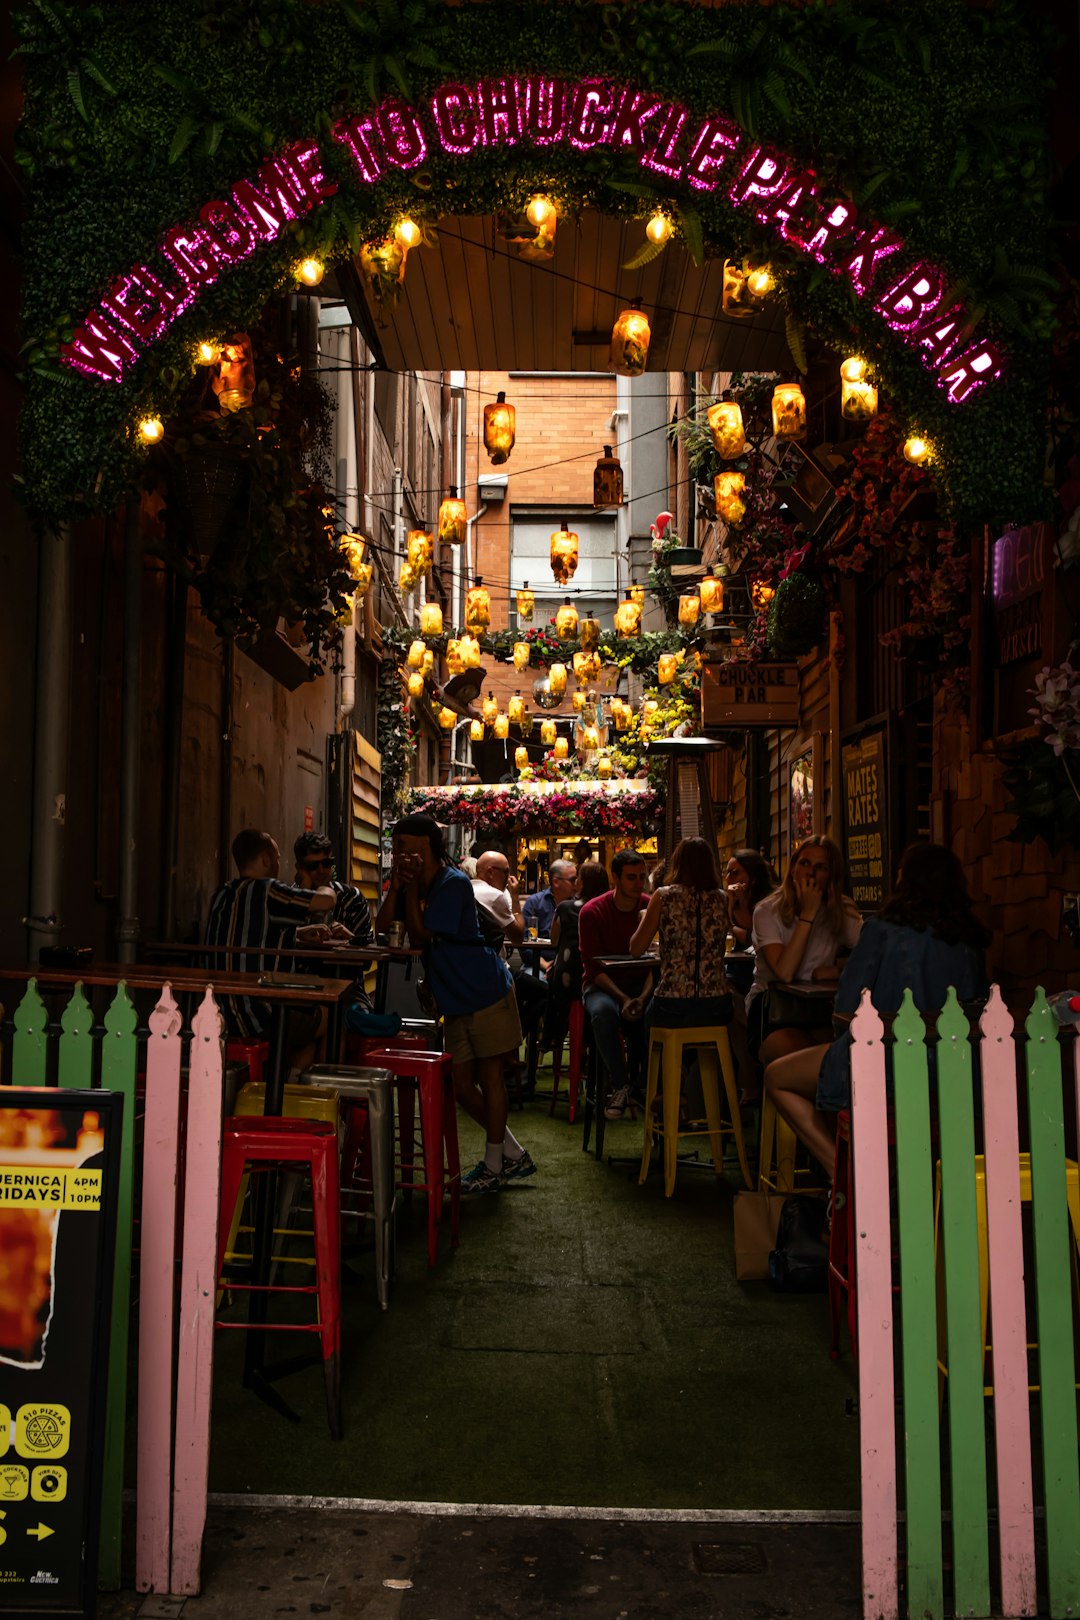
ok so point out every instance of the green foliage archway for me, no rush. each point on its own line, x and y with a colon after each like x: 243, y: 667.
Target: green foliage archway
x: 137, y: 115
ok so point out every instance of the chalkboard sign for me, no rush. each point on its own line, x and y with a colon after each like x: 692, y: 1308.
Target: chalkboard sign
x: 58, y: 1172
x: 866, y: 818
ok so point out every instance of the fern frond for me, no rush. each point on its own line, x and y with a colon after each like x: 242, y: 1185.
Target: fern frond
x: 645, y: 254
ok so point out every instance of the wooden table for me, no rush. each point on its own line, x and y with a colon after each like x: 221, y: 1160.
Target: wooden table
x: 345, y: 956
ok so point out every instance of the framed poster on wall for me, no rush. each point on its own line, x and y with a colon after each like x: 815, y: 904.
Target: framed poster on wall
x: 865, y: 776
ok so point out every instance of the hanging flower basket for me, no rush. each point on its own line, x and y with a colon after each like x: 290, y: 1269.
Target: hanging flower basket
x: 796, y: 619
x: 211, y: 488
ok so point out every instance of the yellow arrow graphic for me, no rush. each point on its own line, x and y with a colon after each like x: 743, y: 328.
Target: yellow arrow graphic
x: 41, y: 1532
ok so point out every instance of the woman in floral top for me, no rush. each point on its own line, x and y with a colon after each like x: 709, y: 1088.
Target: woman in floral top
x: 691, y: 914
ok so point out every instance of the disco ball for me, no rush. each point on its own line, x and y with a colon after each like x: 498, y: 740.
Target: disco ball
x: 543, y: 694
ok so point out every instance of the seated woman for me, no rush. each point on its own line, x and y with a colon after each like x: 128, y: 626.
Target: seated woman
x: 799, y: 933
x: 748, y: 881
x: 691, y: 914
x: 564, y: 975
x: 924, y: 939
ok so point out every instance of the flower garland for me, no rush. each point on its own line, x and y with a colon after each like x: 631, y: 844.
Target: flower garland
x: 583, y: 810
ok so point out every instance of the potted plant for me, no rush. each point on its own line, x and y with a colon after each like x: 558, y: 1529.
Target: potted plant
x: 668, y: 549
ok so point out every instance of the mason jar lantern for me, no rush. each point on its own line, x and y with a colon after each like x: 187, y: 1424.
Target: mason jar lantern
x: 500, y: 423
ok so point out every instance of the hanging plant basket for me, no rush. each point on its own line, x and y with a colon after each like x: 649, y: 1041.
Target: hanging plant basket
x: 681, y: 556
x: 211, y: 489
x: 797, y: 614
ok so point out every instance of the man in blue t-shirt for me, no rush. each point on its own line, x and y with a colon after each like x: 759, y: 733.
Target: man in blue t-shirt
x: 472, y: 988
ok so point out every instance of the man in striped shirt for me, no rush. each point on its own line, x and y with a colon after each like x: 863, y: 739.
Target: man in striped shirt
x: 350, y: 921
x: 255, y: 910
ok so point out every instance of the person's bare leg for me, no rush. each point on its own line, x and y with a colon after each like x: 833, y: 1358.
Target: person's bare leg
x: 492, y: 1088
x: 781, y: 1042
x: 792, y: 1083
x: 468, y: 1093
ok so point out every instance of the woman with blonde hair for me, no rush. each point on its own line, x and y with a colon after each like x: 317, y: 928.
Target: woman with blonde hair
x: 800, y: 932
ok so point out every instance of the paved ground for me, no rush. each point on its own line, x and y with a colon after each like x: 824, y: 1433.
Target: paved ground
x: 406, y: 1566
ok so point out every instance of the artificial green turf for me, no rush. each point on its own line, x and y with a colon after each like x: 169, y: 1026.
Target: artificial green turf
x: 586, y: 1345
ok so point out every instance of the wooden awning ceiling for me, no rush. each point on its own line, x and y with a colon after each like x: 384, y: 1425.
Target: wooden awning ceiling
x: 469, y: 303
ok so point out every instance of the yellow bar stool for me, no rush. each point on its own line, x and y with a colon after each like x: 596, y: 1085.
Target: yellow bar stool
x: 666, y: 1048
x: 1072, y: 1198
x: 777, y: 1169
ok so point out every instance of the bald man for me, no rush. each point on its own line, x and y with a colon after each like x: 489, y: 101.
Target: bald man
x: 497, y: 892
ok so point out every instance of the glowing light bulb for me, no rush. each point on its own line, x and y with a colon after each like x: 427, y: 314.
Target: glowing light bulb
x: 853, y: 369
x: 311, y: 272
x: 151, y: 430
x: 916, y: 450
x: 407, y: 232
x: 658, y: 229
x: 760, y: 281
x: 208, y: 352
x: 539, y: 209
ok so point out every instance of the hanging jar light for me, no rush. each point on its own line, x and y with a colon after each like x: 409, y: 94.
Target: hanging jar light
x: 916, y: 450
x: 589, y: 634
x: 352, y: 548
x: 521, y: 655
x: 564, y: 554
x: 858, y: 395
x: 603, y: 767
x: 579, y: 699
x: 521, y: 757
x: 453, y: 523
x: 420, y: 551
x: 416, y: 684
x: 607, y: 481
x: 516, y: 709
x: 658, y: 229
x: 407, y: 232
x: 666, y: 668
x: 628, y: 616
x: 502, y: 726
x: 636, y: 593
x: 630, y: 341
x: 361, y: 574
x: 431, y: 619
x: 566, y: 621
x: 726, y: 427
x: 562, y: 748
x: 789, y: 411
x: 489, y: 709
x: 711, y: 591
x: 649, y: 710
x: 470, y: 652
x: 415, y: 656
x: 590, y: 738
x: 761, y: 594
x: 548, y: 732
x: 500, y: 425
x: 151, y: 430
x: 689, y: 609
x: 622, y: 715
x: 447, y: 719
x: 541, y: 211
x: 526, y: 602
x: 586, y: 666
x: 729, y: 492
x: 745, y: 287
x: 526, y: 722
x: 476, y: 731
x: 455, y: 663
x: 477, y: 606
x: 557, y: 679
x: 406, y: 578
x: 310, y: 272
x: 427, y: 668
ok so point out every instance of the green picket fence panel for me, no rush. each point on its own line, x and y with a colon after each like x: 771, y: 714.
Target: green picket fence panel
x: 29, y: 1043
x: 77, y: 1043
x: 959, y: 1238
x: 1053, y: 1309
x: 918, y: 1314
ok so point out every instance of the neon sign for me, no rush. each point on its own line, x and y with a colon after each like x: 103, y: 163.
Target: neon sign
x: 707, y: 154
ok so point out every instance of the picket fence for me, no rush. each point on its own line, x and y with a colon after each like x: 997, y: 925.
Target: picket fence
x: 180, y: 1132
x: 904, y: 1529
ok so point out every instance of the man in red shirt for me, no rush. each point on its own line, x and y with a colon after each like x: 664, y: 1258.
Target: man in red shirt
x: 605, y: 928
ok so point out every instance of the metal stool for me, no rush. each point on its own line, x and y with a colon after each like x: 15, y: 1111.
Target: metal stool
x: 367, y: 1099
x: 666, y: 1047
x: 290, y: 1143
x: 430, y: 1074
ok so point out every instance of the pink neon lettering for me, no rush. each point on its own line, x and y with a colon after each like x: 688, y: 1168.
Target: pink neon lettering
x: 978, y: 365
x: 763, y: 174
x: 272, y: 206
x: 942, y: 334
x: 359, y: 136
x: 402, y: 138
x: 544, y: 104
x: 635, y: 109
x: 715, y: 140
x: 306, y: 171
x: 227, y: 232
x: 500, y: 118
x: 664, y: 157
x: 139, y: 302
x: 190, y: 255
x: 871, y: 246
x: 591, y: 114
x: 834, y: 229
x: 912, y: 299
x: 455, y: 119
x: 777, y: 209
x: 98, y: 349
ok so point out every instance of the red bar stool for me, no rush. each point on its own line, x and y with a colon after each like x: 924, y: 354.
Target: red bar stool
x: 289, y: 1143
x: 576, y: 1031
x: 430, y: 1073
x: 256, y: 1054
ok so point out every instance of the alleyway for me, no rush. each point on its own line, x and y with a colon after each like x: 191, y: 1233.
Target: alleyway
x: 587, y: 1346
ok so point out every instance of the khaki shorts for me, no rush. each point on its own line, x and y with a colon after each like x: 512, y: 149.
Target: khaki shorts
x: 487, y: 1033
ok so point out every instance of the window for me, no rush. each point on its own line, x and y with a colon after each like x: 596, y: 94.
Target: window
x: 594, y: 587
x: 386, y: 403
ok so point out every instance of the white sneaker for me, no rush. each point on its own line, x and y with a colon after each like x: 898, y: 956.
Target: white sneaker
x: 617, y: 1104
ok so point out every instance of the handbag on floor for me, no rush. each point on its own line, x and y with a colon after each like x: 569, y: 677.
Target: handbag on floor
x: 799, y: 1264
